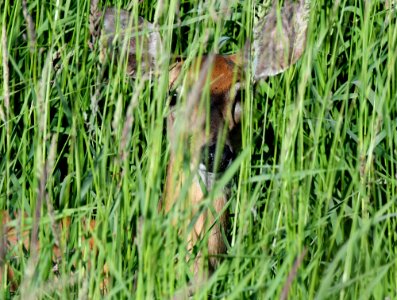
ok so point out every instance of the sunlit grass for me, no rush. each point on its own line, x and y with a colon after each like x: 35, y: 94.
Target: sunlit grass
x: 313, y: 193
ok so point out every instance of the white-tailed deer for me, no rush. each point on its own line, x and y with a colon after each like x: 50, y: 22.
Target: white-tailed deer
x: 279, y: 41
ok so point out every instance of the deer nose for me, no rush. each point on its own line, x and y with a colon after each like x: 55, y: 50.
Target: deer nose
x: 227, y: 156
x: 209, y: 155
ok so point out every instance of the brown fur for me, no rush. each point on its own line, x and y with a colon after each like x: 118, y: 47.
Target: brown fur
x: 223, y: 74
x: 13, y: 237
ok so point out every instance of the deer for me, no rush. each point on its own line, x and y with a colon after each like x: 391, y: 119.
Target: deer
x: 278, y: 42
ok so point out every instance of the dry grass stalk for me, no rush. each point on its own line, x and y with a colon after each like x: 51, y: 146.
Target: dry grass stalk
x: 292, y: 275
x: 50, y: 210
x: 3, y: 245
x: 95, y: 20
x: 6, y: 76
x: 30, y: 27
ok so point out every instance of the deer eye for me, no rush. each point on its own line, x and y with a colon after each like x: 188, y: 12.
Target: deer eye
x: 173, y: 97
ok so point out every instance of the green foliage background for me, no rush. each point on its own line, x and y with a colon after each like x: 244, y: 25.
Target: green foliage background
x: 313, y: 193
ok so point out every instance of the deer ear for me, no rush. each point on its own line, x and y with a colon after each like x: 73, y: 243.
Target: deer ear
x: 279, y: 39
x: 134, y: 39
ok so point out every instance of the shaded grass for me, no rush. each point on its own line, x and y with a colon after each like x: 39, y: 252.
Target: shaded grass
x: 318, y: 171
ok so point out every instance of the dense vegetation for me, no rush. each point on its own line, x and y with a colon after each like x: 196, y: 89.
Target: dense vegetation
x: 313, y: 193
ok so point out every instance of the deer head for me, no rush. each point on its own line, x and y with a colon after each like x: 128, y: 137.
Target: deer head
x: 279, y: 41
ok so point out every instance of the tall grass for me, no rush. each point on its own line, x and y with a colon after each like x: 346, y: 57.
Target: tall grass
x: 313, y: 193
